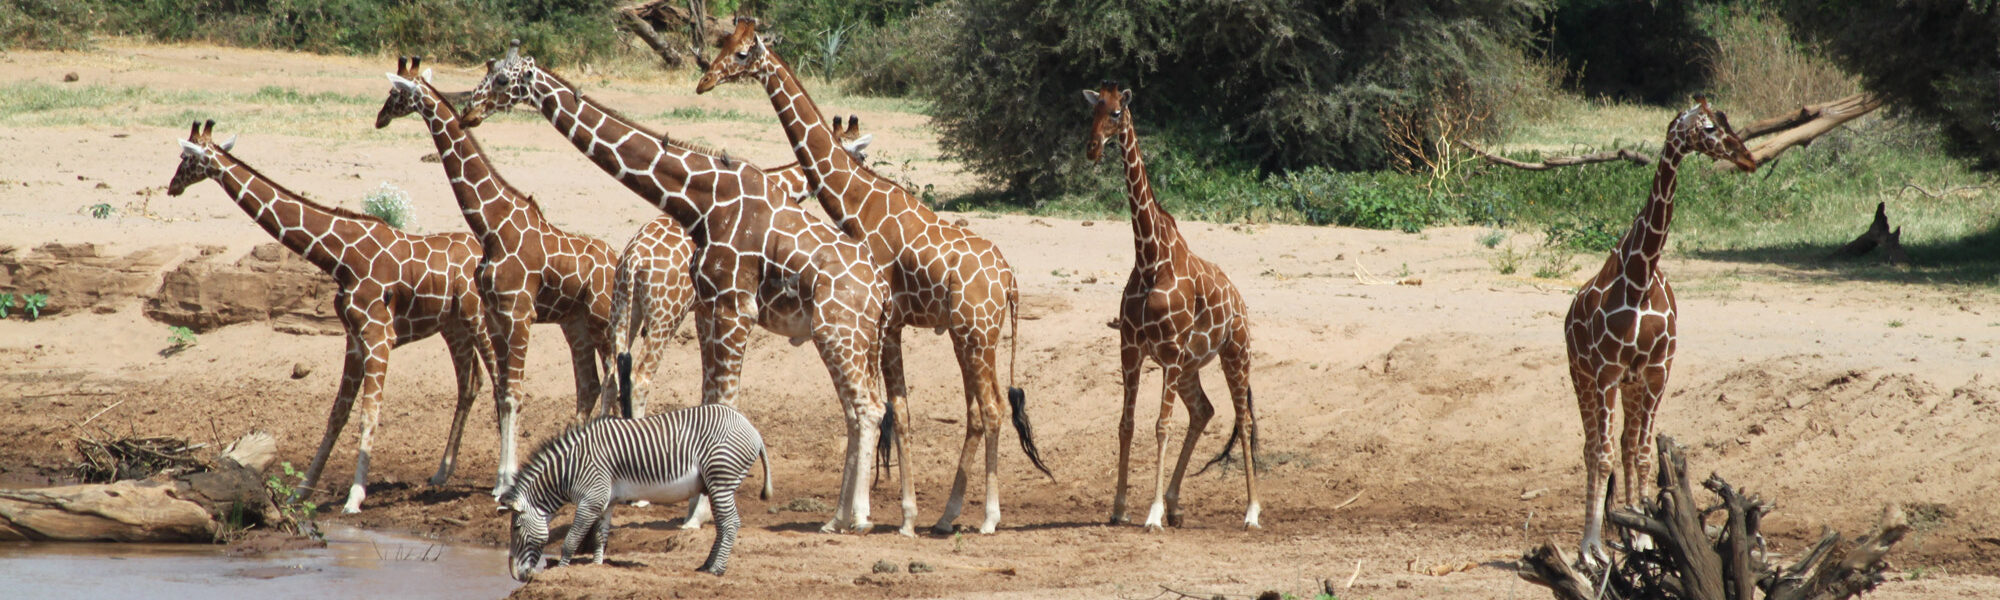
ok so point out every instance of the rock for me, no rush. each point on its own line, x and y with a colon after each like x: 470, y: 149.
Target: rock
x: 962, y: 222
x: 918, y: 566
x: 884, y: 566
x: 85, y: 276
x: 271, y: 284
x: 71, y: 77
x: 431, y: 158
x: 300, y: 370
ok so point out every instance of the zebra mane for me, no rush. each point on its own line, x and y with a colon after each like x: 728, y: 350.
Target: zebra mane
x: 541, y: 458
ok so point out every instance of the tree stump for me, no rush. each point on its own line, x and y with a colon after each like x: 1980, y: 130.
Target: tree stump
x: 1685, y: 561
x: 1878, y: 235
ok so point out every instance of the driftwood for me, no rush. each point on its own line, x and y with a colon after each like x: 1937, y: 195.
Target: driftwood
x: 1802, y: 127
x: 1878, y: 235
x: 1562, y: 161
x: 189, y: 501
x: 1685, y: 561
x: 647, y: 20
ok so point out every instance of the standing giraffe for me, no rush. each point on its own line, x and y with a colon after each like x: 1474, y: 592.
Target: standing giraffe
x: 531, y: 272
x: 943, y: 276
x: 1182, y: 312
x: 1620, y: 330
x: 395, y: 288
x: 650, y: 295
x: 760, y: 259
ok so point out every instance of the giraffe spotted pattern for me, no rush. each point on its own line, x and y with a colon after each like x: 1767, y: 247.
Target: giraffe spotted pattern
x: 1620, y: 332
x: 760, y: 259
x: 1182, y: 312
x: 942, y: 276
x: 395, y: 288
x: 532, y: 272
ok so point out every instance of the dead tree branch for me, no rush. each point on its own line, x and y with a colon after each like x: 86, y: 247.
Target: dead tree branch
x: 1877, y: 235
x: 1561, y: 161
x: 1801, y: 128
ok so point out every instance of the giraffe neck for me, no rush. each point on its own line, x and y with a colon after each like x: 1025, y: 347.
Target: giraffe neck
x: 482, y: 194
x: 1154, y: 234
x: 1643, y: 244
x: 297, y: 223
x: 829, y: 173
x: 611, y: 145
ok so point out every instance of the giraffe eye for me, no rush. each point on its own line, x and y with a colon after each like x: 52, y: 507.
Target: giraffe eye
x: 743, y: 55
x: 1117, y: 113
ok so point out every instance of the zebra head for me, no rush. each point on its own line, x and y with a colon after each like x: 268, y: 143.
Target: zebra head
x: 526, y: 534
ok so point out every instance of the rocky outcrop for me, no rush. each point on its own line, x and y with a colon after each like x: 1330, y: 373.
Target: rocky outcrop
x: 84, y: 276
x: 177, y: 285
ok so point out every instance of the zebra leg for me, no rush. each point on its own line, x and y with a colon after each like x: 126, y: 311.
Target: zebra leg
x: 588, y: 511
x: 603, y: 535
x: 722, y: 489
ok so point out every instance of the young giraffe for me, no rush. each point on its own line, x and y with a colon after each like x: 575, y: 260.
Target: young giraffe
x: 760, y: 259
x: 531, y: 271
x: 1182, y: 312
x: 395, y: 288
x: 944, y: 277
x: 1620, y: 329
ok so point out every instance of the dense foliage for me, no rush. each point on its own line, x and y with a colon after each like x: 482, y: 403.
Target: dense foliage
x: 1938, y: 60
x: 1626, y: 50
x: 1279, y: 84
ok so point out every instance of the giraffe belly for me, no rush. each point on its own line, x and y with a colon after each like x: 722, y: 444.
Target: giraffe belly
x: 662, y: 492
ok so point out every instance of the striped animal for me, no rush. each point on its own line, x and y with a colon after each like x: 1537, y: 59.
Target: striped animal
x: 668, y: 457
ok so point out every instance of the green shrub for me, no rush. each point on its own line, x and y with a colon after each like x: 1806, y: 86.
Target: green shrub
x: 390, y: 204
x: 1633, y: 51
x: 47, y: 24
x: 1278, y: 84
x: 902, y: 58
x: 1936, y: 60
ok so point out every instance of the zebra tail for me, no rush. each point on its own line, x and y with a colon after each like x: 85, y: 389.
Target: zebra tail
x: 625, y: 384
x: 765, y: 456
x: 1018, y: 400
x: 1249, y: 402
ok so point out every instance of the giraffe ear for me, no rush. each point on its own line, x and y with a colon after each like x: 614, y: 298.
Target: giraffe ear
x: 190, y: 148
x: 427, y: 74
x: 860, y: 144
x: 1091, y: 97
x: 227, y: 144
x: 1125, y: 98
x: 400, y: 83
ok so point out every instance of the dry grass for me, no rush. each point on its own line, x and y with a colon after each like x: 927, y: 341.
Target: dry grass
x: 1759, y: 72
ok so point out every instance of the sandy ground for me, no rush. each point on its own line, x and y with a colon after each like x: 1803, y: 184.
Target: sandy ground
x: 1406, y: 427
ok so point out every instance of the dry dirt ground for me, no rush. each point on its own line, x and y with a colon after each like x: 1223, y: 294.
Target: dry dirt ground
x: 1406, y: 427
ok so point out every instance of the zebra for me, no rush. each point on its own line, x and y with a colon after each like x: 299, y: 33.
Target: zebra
x: 667, y: 457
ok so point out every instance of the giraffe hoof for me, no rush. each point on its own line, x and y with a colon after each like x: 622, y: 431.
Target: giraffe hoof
x: 1174, y: 520
x: 1119, y: 519
x: 1154, y: 528
x: 944, y: 529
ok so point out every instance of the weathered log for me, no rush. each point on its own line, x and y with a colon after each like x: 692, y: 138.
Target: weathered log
x: 1801, y: 128
x: 1686, y: 562
x: 1878, y: 235
x: 199, y: 506
x: 1561, y: 161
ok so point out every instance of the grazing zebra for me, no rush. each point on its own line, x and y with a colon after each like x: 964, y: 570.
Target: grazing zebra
x: 666, y: 457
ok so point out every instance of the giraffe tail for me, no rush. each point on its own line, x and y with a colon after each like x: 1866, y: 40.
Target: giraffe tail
x: 625, y: 384
x: 1249, y: 404
x: 1017, y: 399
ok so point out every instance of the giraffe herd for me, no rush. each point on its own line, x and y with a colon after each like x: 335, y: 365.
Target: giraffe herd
x: 736, y: 247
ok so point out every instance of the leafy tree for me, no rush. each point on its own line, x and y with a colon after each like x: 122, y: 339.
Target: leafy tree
x: 1636, y: 51
x: 1938, y: 60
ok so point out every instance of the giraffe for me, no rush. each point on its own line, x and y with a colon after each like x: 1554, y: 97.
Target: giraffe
x: 943, y: 277
x: 531, y: 271
x: 650, y: 295
x: 1620, y: 331
x: 1182, y: 312
x: 760, y: 259
x: 395, y: 288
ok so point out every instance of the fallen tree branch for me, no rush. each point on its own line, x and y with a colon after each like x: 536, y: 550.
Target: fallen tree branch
x: 1801, y: 128
x: 1561, y: 161
x: 1878, y: 235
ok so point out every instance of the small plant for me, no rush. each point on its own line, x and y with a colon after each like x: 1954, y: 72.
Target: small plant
x: 101, y: 210
x: 1508, y: 261
x: 390, y: 204
x: 287, y: 494
x: 1893, y: 323
x: 34, y: 304
x: 178, y: 339
x: 1555, y: 263
x: 6, y: 303
x: 1493, y: 238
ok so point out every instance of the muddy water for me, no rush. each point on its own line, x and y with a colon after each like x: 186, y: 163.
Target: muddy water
x: 356, y: 563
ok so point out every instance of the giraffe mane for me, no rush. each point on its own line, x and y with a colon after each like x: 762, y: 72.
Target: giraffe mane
x: 446, y: 108
x: 631, y: 122
x: 300, y: 198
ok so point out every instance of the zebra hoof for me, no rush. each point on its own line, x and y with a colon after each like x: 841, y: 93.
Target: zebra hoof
x: 713, y: 570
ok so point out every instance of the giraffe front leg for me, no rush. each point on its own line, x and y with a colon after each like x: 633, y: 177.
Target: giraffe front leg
x: 583, y: 356
x: 1199, y: 412
x: 724, y: 330
x: 343, y: 405
x: 853, y: 365
x: 1597, y: 403
x: 988, y: 406
x: 1171, y: 372
x: 1641, y: 399
x: 1131, y: 360
x: 375, y: 369
x: 1236, y: 372
x: 465, y: 361
x: 510, y: 331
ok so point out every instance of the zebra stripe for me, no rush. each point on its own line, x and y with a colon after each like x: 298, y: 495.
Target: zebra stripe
x: 667, y: 457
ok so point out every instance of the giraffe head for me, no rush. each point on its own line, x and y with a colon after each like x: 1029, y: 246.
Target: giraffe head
x: 198, y: 157
x: 404, y: 90
x: 743, y: 53
x: 1707, y: 131
x: 1108, y: 118
x: 505, y: 85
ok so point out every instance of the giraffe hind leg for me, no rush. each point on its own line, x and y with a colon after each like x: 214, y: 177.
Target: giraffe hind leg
x: 465, y: 363
x: 1199, y: 413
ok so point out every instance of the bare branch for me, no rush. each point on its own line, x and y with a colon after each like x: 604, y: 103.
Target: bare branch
x: 1562, y: 161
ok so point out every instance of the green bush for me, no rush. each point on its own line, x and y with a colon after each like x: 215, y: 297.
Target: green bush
x: 1634, y: 51
x: 1279, y: 84
x: 390, y: 204
x: 1938, y: 60
x: 47, y: 24
x: 901, y: 58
